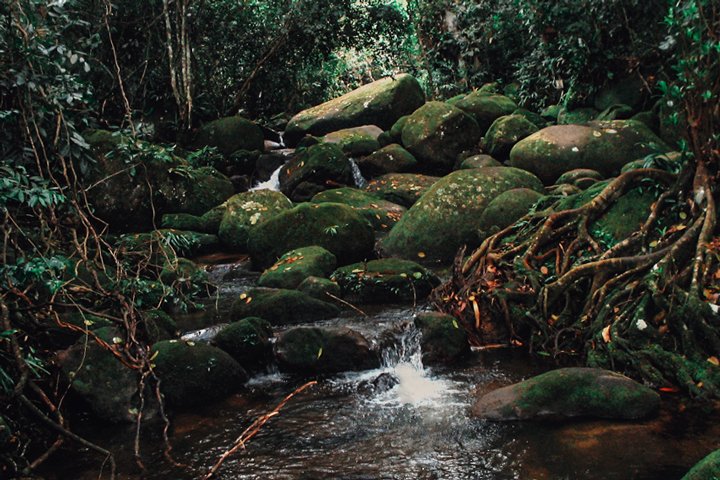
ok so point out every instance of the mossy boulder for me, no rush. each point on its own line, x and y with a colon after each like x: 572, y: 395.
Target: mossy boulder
x: 436, y: 133
x: 578, y: 116
x: 601, y: 146
x: 318, y: 287
x: 616, y: 112
x: 442, y: 339
x: 447, y: 216
x: 379, y: 103
x: 248, y: 341
x: 381, y: 214
x: 504, y: 133
x: 506, y: 209
x: 478, y: 161
x: 355, y: 141
x: 281, y: 307
x: 387, y: 280
x: 245, y: 211
x: 297, y: 265
x: 568, y: 393
x: 578, y: 174
x: 230, y: 134
x: 313, y: 170
x: 186, y: 221
x: 706, y: 469
x: 402, y: 188
x: 159, y: 326
x: 195, y: 373
x: 324, y: 350
x: 335, y: 227
x: 486, y: 107
x: 390, y: 159
x: 395, y: 131
x: 534, y: 118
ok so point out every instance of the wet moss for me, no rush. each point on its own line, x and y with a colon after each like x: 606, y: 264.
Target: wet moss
x: 297, y: 265
x: 381, y: 214
x: 281, y: 307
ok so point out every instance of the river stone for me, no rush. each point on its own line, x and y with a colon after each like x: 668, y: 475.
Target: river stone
x: 479, y: 161
x: 443, y: 340
x: 230, y: 134
x: 706, y: 469
x: 335, y: 227
x: 601, y: 146
x: 195, y: 373
x: 297, y: 265
x: 402, y: 188
x: 577, y: 116
x: 396, y: 130
x: 389, y: 159
x: 567, y: 393
x: 281, y: 307
x: 573, y: 176
x: 486, y: 107
x: 388, y: 280
x: 324, y: 350
x: 248, y: 341
x: 321, y: 288
x: 504, y: 133
x: 381, y: 214
x: 379, y: 103
x: 245, y: 211
x: 506, y: 209
x: 355, y: 141
x: 313, y: 169
x: 447, y: 216
x: 436, y: 133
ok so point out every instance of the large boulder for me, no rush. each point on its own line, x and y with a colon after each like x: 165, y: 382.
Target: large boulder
x: 230, y: 134
x: 402, y: 188
x: 568, y: 393
x: 504, y: 133
x: 381, y: 214
x: 486, y: 107
x: 335, y: 227
x: 447, y: 216
x: 324, y: 350
x: 248, y: 341
x: 297, y: 265
x: 706, y: 469
x: 244, y: 211
x: 442, y: 339
x: 281, y: 307
x: 436, y: 133
x: 601, y: 146
x: 389, y: 159
x: 478, y: 161
x: 506, y: 209
x: 355, y: 141
x: 379, y: 103
x: 313, y: 170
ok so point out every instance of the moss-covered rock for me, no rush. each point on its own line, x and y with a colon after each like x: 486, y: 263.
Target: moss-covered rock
x: 706, y: 469
x: 436, y: 133
x: 248, y: 341
x: 245, y: 211
x: 567, y: 393
x: 281, y: 307
x: 355, y: 141
x: 506, y: 209
x: 159, y: 326
x: 321, y: 288
x: 195, y: 373
x: 551, y: 112
x: 443, y: 340
x: 486, y: 107
x: 379, y: 103
x: 390, y: 159
x: 504, y: 133
x: 447, y: 216
x: 601, y: 146
x: 313, y: 169
x: 336, y: 227
x: 615, y: 112
x: 324, y: 350
x: 297, y: 265
x: 381, y: 214
x: 186, y: 221
x: 534, y: 118
x: 573, y: 176
x: 230, y: 134
x: 478, y: 161
x: 396, y: 130
x: 578, y: 116
x: 402, y: 188
x: 387, y: 280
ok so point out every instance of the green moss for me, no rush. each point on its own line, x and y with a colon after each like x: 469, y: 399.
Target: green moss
x: 316, y: 165
x: 576, y: 117
x: 389, y: 159
x: 504, y: 133
x: 443, y: 339
x: 248, y: 341
x: 402, y: 188
x: 706, y: 469
x: 397, y: 127
x: 478, y: 161
x: 245, y: 211
x: 381, y: 214
x: 507, y: 208
x: 281, y: 307
x: 486, y: 107
x: 319, y: 288
x: 356, y: 141
x: 296, y: 265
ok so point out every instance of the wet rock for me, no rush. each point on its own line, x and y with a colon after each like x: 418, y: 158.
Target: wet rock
x: 534, y: 118
x: 159, y: 326
x: 318, y: 287
x: 478, y: 161
x: 335, y: 227
x: 402, y: 188
x: 380, y: 384
x: 248, y: 341
x: 297, y: 265
x: 578, y: 116
x: 281, y: 307
x: 567, y: 393
x: 182, y: 273
x: 186, y: 221
x: 324, y: 350
x: 356, y: 141
x: 486, y: 107
x: 381, y: 214
x: 504, y: 133
x: 706, y: 469
x: 443, y: 340
x: 379, y: 103
x: 230, y: 134
x: 267, y: 164
x: 245, y: 211
x: 195, y: 373
x: 601, y: 146
x: 313, y: 170
x: 573, y: 176
x: 447, y: 216
x: 387, y: 280
x: 436, y: 133
x: 395, y: 131
x: 390, y: 159
x: 506, y: 209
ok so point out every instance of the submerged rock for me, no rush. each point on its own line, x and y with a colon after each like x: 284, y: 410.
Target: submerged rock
x: 230, y: 134
x: 402, y: 188
x: 381, y: 214
x: 281, y: 307
x: 248, y: 341
x: 313, y: 170
x: 443, y: 340
x: 567, y: 393
x: 297, y: 265
x: 706, y: 469
x: 245, y: 211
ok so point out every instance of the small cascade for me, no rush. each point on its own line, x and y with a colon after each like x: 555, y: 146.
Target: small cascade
x: 273, y: 183
x: 358, y: 178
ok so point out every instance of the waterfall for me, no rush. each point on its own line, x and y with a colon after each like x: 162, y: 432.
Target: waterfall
x: 271, y: 184
x: 358, y: 178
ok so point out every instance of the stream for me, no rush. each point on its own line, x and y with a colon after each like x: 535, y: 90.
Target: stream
x: 357, y: 426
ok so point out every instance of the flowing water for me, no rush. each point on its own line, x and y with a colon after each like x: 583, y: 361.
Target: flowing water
x: 360, y: 181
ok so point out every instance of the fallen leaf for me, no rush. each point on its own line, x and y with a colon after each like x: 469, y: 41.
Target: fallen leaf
x: 606, y: 334
x: 714, y: 361
x: 544, y: 270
